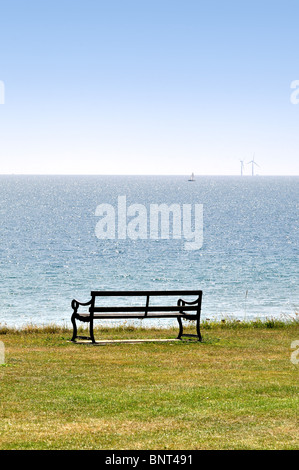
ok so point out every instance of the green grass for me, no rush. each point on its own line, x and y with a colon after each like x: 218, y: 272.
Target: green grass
x: 238, y: 389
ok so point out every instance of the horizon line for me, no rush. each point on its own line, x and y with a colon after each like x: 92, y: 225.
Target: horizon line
x: 144, y: 174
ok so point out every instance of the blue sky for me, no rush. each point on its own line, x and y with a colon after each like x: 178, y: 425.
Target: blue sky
x: 148, y: 87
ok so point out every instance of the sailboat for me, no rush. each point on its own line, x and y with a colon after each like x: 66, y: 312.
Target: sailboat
x: 191, y: 177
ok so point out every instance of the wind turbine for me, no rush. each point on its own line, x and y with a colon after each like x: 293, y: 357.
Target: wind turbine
x: 242, y: 166
x: 252, y: 165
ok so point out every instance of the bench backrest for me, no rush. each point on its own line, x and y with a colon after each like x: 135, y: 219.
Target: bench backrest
x: 179, y: 304
x: 127, y: 293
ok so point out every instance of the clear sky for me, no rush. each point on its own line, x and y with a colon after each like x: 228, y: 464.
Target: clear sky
x: 148, y: 86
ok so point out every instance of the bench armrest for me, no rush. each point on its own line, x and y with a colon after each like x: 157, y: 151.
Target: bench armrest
x: 75, y: 304
x: 182, y: 303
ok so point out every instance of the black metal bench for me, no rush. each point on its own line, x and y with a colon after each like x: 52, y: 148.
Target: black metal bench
x: 183, y: 309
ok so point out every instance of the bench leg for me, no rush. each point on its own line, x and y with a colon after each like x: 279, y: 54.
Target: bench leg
x: 181, y: 327
x: 91, y: 331
x: 198, y: 329
x: 198, y: 335
x: 73, y: 320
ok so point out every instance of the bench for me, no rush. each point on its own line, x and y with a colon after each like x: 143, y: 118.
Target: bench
x: 178, y: 308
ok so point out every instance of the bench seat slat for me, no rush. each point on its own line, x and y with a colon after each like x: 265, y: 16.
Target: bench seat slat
x: 135, y: 315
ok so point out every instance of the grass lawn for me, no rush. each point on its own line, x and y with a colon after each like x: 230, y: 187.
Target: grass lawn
x: 238, y: 389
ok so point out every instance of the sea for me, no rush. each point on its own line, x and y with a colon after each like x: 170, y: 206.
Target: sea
x: 53, y: 247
